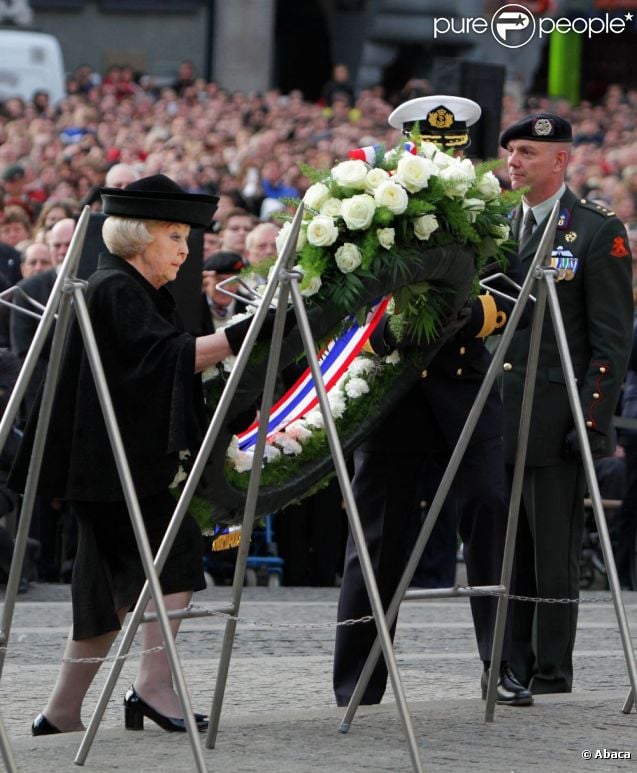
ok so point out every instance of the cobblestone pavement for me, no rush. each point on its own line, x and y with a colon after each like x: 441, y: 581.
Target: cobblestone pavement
x: 278, y: 711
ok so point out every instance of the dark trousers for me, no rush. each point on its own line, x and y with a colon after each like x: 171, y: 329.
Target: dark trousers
x: 385, y: 486
x: 547, y: 565
x: 626, y: 529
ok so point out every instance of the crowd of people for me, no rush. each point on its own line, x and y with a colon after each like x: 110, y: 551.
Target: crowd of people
x: 248, y: 149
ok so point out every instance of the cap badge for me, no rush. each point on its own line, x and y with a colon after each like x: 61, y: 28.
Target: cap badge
x: 543, y: 127
x: 440, y: 118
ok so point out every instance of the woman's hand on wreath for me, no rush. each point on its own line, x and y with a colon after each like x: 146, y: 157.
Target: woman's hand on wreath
x: 236, y: 333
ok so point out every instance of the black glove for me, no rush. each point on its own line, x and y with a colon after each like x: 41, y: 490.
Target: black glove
x: 571, y: 449
x: 235, y: 333
x: 450, y: 329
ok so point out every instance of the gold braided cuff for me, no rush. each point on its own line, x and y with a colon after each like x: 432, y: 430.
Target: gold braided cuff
x: 489, y: 314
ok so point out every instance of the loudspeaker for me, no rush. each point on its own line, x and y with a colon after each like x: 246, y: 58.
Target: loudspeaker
x: 484, y: 84
x: 186, y: 289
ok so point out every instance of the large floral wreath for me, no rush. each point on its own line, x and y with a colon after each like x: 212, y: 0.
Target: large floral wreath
x: 372, y: 221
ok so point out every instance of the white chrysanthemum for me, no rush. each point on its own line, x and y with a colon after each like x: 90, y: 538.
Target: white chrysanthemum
x: 393, y: 196
x: 242, y: 461
x: 348, y: 257
x: 358, y: 211
x: 361, y: 366
x: 282, y: 236
x: 356, y: 387
x: 386, y: 237
x: 393, y: 358
x: 337, y: 403
x: 374, y: 178
x: 488, y: 186
x: 315, y: 195
x: 473, y: 207
x: 331, y: 207
x: 270, y: 453
x: 315, y: 419
x: 322, y: 231
x: 287, y: 444
x: 298, y: 431
x: 413, y: 172
x: 350, y: 174
x: 424, y: 226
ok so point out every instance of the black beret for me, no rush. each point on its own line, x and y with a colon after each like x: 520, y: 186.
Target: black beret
x: 159, y: 198
x: 224, y: 262
x: 541, y: 127
x: 13, y: 172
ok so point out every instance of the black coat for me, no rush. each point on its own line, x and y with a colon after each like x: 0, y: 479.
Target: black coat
x: 149, y: 365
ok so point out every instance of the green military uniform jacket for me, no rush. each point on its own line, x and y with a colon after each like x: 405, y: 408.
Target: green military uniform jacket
x: 597, y: 309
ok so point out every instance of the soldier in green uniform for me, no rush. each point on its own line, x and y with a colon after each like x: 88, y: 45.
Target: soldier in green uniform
x: 595, y: 299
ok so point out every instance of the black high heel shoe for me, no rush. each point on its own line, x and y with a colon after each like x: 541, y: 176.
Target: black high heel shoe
x: 42, y: 726
x: 135, y: 709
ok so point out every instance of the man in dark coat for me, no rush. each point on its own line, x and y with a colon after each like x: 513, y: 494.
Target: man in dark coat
x: 596, y: 304
x: 425, y: 427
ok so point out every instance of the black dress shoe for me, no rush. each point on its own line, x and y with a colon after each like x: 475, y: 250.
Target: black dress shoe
x: 135, y: 709
x: 42, y: 726
x: 510, y: 692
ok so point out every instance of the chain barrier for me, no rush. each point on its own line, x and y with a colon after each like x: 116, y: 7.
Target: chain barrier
x: 340, y: 624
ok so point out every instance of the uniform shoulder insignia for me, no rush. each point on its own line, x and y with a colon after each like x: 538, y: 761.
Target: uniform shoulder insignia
x: 619, y: 249
x: 593, y: 206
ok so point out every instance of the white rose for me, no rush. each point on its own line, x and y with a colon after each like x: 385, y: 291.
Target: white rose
x: 393, y: 196
x: 350, y: 174
x: 331, y: 207
x: 315, y: 195
x: 348, y: 257
x: 358, y: 212
x: 455, y: 181
x: 501, y: 233
x: 474, y: 207
x: 413, y: 172
x: 488, y: 186
x: 428, y: 150
x: 386, y: 237
x: 424, y: 226
x: 468, y: 168
x: 443, y: 160
x: 356, y: 387
x: 282, y: 236
x: 322, y: 231
x: 374, y: 178
x: 310, y: 284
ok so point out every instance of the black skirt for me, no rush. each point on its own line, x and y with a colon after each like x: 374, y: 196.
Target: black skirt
x: 108, y: 574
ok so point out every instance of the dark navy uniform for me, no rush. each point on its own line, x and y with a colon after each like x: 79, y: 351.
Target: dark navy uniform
x: 425, y: 426
x: 597, y: 308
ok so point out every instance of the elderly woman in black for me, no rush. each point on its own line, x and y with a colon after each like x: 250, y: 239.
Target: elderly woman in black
x: 152, y: 369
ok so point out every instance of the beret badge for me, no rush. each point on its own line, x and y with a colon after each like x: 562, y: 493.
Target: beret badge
x: 543, y: 127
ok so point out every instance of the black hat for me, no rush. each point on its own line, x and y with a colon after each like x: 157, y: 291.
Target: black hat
x: 159, y: 198
x: 541, y: 127
x: 224, y: 262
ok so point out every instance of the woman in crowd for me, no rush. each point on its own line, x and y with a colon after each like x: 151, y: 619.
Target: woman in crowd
x: 152, y: 371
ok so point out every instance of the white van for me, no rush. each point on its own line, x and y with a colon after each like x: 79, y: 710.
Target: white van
x: 30, y: 61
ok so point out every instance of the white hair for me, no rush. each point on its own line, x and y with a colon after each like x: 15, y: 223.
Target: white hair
x: 127, y: 236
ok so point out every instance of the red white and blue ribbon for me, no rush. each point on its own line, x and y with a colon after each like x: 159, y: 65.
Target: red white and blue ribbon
x: 334, y: 360
x: 369, y: 153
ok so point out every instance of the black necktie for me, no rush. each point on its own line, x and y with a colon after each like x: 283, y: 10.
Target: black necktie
x: 527, y: 228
